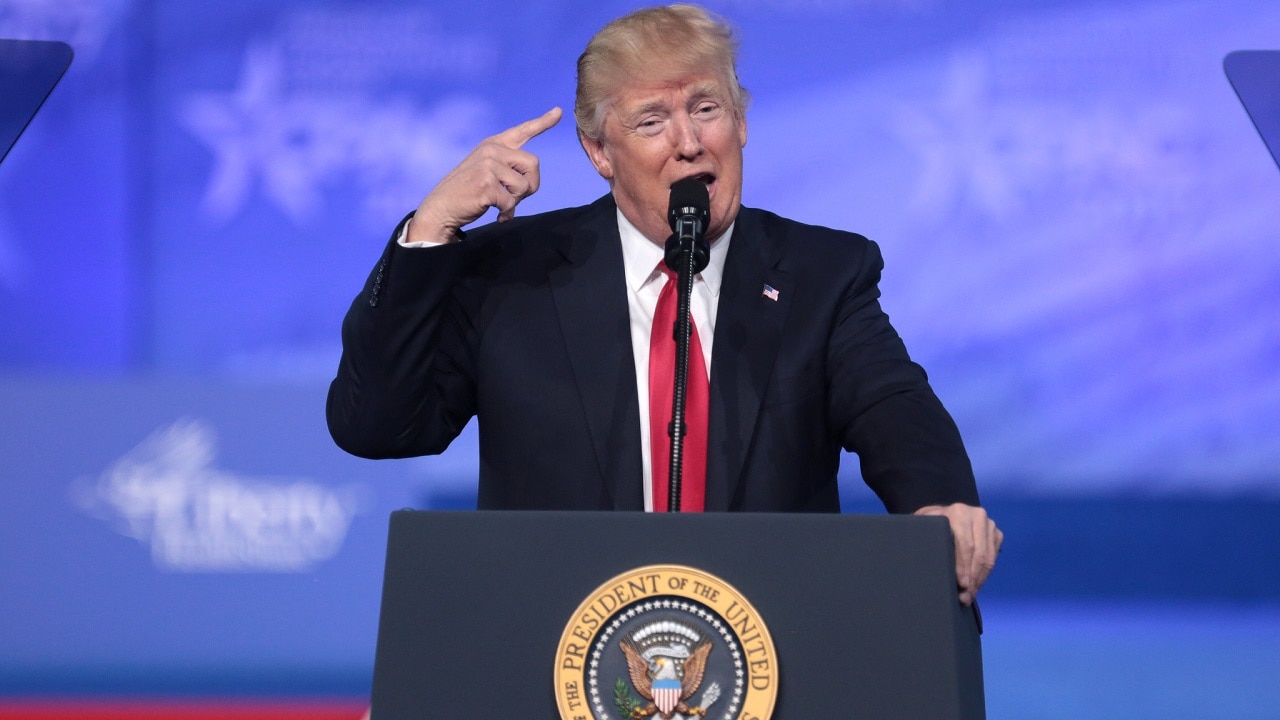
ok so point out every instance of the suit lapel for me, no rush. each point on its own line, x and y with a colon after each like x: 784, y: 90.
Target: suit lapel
x: 589, y: 291
x: 748, y: 329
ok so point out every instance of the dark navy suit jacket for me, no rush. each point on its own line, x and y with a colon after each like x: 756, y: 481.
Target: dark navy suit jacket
x: 525, y: 326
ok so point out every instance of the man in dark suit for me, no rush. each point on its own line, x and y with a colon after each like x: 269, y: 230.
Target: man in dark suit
x: 539, y: 326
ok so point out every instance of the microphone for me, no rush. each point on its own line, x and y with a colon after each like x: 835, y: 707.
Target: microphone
x: 688, y: 213
x: 686, y: 253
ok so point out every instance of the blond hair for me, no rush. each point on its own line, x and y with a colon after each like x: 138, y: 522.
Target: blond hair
x: 684, y: 35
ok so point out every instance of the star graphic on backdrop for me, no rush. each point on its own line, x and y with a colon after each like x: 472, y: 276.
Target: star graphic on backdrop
x: 290, y: 145
x: 963, y: 147
x: 257, y: 135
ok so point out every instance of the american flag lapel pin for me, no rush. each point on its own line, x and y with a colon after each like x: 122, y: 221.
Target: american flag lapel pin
x: 770, y: 292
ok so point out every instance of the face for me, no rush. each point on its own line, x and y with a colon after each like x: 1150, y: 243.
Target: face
x: 666, y: 128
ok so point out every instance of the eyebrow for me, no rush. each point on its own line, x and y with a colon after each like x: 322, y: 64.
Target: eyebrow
x: 701, y: 91
x: 705, y: 90
x: 648, y: 107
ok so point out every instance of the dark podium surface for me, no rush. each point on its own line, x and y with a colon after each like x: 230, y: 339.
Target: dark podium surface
x: 862, y: 609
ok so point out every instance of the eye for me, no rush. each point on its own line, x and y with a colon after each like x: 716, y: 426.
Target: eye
x: 707, y: 109
x: 649, y: 125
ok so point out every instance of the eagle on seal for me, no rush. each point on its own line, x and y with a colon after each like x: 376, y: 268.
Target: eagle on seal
x: 662, y: 682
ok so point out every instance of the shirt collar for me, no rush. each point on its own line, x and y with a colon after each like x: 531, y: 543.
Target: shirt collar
x: 640, y: 257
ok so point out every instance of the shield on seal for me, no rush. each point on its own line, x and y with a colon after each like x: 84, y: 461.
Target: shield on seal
x: 666, y: 693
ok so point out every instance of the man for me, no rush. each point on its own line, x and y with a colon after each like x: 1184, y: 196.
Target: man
x: 541, y: 326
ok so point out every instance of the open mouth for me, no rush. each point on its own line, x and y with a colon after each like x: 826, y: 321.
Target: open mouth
x: 707, y: 179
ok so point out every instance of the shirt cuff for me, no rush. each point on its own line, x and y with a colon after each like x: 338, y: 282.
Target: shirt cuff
x: 403, y: 240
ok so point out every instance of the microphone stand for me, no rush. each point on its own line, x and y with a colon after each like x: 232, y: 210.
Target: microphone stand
x: 686, y: 268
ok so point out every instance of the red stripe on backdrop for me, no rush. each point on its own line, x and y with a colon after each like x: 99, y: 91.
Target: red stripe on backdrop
x: 115, y: 709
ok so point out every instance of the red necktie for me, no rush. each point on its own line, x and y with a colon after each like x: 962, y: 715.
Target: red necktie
x: 662, y: 364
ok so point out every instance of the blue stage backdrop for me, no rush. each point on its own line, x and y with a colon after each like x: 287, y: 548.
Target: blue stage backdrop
x: 1079, y: 223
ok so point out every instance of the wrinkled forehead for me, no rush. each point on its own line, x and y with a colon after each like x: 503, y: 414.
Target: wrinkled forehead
x: 650, y: 89
x: 662, y: 81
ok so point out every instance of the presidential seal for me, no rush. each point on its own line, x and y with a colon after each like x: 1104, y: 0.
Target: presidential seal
x: 666, y: 642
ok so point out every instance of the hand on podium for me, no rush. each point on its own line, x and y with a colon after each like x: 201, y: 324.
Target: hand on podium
x: 977, y: 545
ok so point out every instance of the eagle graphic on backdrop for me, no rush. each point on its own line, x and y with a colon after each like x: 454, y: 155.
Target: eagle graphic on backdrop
x: 668, y: 673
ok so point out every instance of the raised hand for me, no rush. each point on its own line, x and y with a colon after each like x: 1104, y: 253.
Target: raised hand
x: 497, y: 173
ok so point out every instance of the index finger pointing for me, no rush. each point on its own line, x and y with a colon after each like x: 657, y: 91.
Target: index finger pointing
x: 517, y: 136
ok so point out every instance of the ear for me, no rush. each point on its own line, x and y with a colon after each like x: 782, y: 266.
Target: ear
x: 742, y: 130
x: 598, y: 154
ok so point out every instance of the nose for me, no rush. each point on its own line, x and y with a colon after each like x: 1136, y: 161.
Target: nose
x: 688, y: 141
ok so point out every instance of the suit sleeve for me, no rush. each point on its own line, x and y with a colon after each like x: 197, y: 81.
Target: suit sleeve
x: 405, y: 384
x: 882, y: 405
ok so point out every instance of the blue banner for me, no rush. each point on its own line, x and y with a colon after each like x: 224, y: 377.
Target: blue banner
x: 1079, y: 223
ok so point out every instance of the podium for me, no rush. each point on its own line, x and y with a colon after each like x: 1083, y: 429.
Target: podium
x: 488, y: 614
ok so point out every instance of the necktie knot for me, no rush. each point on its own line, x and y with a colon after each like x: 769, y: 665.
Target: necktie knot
x: 662, y: 268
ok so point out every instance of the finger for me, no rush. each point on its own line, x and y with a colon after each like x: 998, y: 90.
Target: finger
x: 519, y: 172
x: 513, y: 187
x: 986, y: 553
x: 519, y: 160
x: 991, y: 549
x: 966, y: 546
x: 981, y: 567
x: 506, y: 204
x: 516, y: 184
x: 515, y: 137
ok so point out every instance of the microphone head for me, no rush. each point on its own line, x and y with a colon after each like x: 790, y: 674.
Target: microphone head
x: 689, y: 197
x: 688, y: 213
